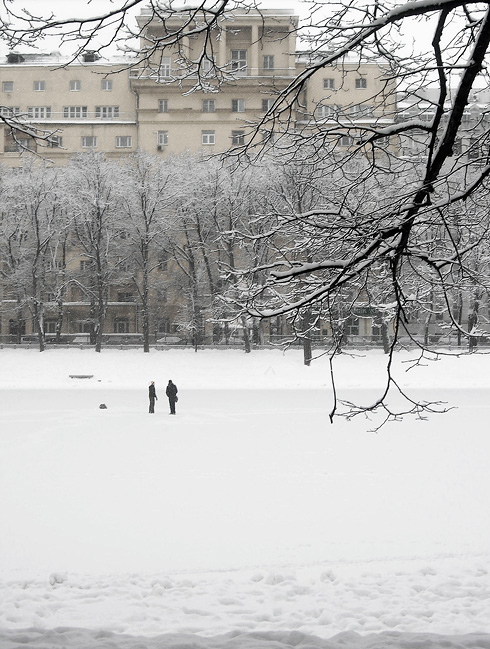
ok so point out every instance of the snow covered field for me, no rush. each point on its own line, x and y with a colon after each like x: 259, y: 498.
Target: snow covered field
x: 248, y: 520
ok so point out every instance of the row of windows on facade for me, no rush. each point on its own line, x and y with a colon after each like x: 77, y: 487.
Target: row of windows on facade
x: 74, y: 85
x: 473, y: 147
x: 88, y: 264
x: 428, y: 115
x: 329, y: 111
x: 121, y: 141
x: 113, y: 112
x: 69, y: 112
x: 238, y: 62
x: 120, y: 325
x: 56, y: 141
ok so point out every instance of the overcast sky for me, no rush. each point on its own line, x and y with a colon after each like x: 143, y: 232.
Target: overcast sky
x: 420, y: 31
x: 71, y: 9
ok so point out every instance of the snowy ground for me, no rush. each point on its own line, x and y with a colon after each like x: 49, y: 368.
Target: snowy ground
x: 248, y: 520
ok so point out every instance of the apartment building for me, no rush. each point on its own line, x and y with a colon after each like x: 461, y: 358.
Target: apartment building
x: 167, y: 107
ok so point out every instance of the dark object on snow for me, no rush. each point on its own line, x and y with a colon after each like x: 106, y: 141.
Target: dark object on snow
x: 103, y: 406
x: 171, y: 393
x: 153, y: 396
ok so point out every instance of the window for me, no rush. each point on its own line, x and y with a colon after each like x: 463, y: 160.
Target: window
x: 124, y: 142
x: 361, y: 83
x: 239, y: 60
x: 329, y: 84
x: 163, y: 105
x: 164, y: 326
x: 267, y: 104
x: 351, y: 327
x: 361, y: 110
x: 84, y: 326
x: 39, y: 86
x: 207, y: 66
x: 86, y: 264
x: 325, y: 111
x: 238, y: 105
x: 18, y: 143
x: 106, y: 85
x: 39, y: 112
x: 474, y: 149
x: 207, y: 137
x: 427, y: 116
x: 125, y: 297
x: 165, y: 66
x: 208, y: 105
x: 17, y: 328
x: 267, y: 137
x: 237, y: 137
x: 121, y: 325
x: 74, y: 112
x: 106, y: 112
x: 7, y: 86
x: 50, y: 326
x: 55, y: 141
x: 162, y: 139
x: 268, y: 62
x: 346, y: 140
x: 89, y: 141
x: 53, y: 264
x: 75, y: 85
x: 7, y: 111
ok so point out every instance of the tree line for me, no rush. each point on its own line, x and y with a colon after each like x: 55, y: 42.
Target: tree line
x: 210, y: 243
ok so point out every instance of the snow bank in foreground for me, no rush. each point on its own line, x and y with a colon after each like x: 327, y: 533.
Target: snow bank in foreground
x: 82, y: 639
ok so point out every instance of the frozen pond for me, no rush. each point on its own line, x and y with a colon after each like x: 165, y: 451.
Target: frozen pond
x: 248, y: 513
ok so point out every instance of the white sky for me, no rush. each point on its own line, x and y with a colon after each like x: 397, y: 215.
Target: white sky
x: 66, y: 9
x: 421, y: 32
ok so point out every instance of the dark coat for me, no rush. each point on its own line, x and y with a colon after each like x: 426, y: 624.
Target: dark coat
x: 171, y: 391
x: 151, y: 392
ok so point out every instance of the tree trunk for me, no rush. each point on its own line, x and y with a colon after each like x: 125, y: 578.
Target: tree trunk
x: 307, y: 350
x: 246, y: 335
x: 385, y: 336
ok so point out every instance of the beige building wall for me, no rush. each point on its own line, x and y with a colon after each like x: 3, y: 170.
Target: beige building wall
x: 254, y: 55
x: 85, y: 105
x: 348, y: 86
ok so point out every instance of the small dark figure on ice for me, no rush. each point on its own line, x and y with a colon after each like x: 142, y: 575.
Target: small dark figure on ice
x: 153, y: 396
x: 171, y: 393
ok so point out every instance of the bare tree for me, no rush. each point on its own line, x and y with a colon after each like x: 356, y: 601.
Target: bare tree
x: 95, y: 193
x: 149, y: 199
x: 28, y: 230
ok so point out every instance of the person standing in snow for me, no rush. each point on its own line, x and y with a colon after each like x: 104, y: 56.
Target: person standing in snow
x: 153, y: 396
x: 171, y: 393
